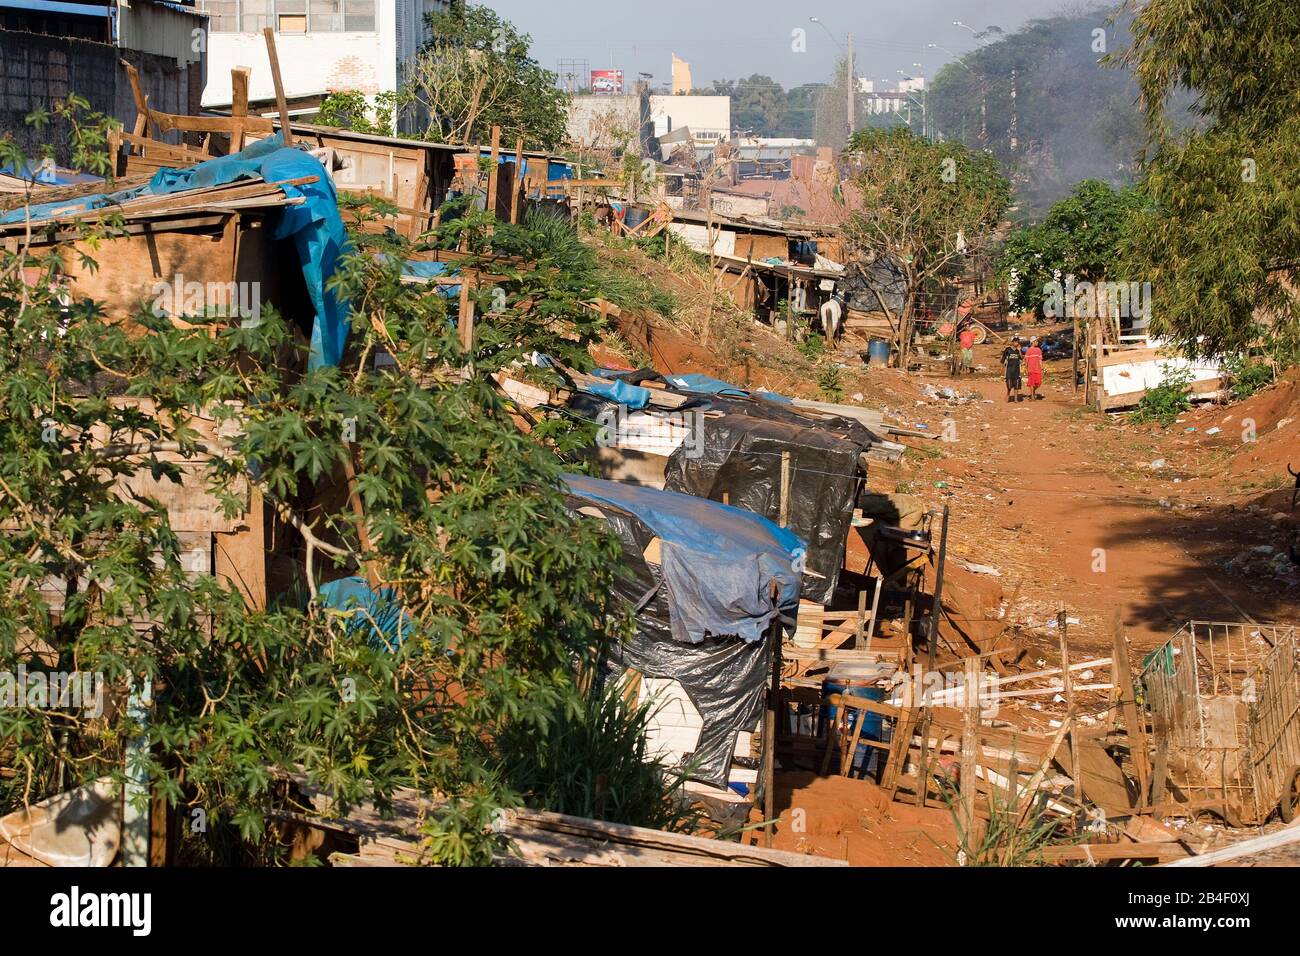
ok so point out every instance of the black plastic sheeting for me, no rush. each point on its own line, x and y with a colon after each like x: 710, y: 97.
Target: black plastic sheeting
x: 724, y: 677
x: 740, y: 455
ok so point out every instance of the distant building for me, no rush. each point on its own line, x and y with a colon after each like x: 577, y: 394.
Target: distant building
x: 708, y: 117
x: 681, y: 76
x: 890, y: 99
x: 324, y: 46
x: 51, y: 48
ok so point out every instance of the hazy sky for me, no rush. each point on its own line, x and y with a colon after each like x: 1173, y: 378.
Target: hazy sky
x: 736, y: 38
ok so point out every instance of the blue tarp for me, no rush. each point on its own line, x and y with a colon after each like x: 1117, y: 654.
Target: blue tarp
x: 718, y: 562
x: 377, y: 616
x: 45, y: 174
x: 706, y: 385
x: 616, y: 390
x: 420, y: 269
x: 315, y: 225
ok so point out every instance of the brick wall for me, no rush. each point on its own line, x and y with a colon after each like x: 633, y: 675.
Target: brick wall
x: 36, y: 70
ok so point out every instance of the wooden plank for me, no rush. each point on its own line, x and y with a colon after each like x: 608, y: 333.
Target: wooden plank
x: 1288, y: 836
x: 1102, y: 852
x: 900, y: 745
x: 936, y: 609
x: 1098, y: 775
x: 785, y: 489
x: 516, y: 186
x: 240, y: 555
x: 769, y: 725
x: 281, y: 104
x: 1062, y: 626
x: 969, y: 746
x: 1133, y: 722
x: 465, y: 317
x: 1031, y: 788
x: 495, y: 172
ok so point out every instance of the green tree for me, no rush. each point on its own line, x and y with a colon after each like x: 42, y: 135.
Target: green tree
x: 1079, y: 236
x: 926, y: 207
x: 801, y: 110
x: 504, y: 595
x: 758, y: 104
x: 351, y: 109
x: 476, y: 72
x: 1220, y: 242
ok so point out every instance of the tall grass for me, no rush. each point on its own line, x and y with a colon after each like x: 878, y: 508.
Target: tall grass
x: 1008, y: 837
x: 594, y: 762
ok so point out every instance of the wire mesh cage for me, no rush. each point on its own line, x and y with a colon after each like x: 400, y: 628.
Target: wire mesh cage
x: 1224, y: 699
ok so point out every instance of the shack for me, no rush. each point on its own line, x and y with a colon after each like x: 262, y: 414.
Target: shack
x: 708, y: 583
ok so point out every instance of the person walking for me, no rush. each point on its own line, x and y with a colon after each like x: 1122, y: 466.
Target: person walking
x: 967, y: 340
x: 1011, y: 368
x: 1034, y: 369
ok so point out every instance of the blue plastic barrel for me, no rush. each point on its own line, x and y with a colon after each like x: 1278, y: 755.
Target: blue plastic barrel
x: 878, y: 352
x: 872, y: 724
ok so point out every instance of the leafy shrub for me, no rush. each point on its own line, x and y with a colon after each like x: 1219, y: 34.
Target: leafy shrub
x: 1166, y: 401
x: 813, y: 347
x: 504, y: 593
x: 1246, y: 376
x: 830, y: 381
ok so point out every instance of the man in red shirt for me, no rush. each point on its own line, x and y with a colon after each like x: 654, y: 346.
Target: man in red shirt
x: 967, y: 339
x: 1034, y: 369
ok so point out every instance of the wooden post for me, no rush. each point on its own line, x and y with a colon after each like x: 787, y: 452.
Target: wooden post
x: 875, y: 612
x: 1137, y: 738
x: 1074, y: 354
x: 465, y: 321
x: 908, y: 651
x: 238, y: 106
x: 923, y: 765
x: 774, y: 635
x: 494, y: 172
x: 519, y: 175
x: 969, y: 745
x: 1067, y: 683
x: 862, y: 619
x: 281, y: 103
x: 785, y: 489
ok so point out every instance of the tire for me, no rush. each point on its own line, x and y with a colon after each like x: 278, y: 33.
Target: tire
x: 1289, y: 807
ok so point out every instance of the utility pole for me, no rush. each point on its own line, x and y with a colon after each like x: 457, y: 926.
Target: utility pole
x: 849, y: 83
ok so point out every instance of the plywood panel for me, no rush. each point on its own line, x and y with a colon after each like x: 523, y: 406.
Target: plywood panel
x: 132, y: 268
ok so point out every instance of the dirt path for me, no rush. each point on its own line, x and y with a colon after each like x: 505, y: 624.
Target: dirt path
x: 1067, y: 506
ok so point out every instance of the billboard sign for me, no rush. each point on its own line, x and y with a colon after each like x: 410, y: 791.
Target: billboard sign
x: 607, y: 81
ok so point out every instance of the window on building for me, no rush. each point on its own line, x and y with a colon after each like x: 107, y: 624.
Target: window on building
x: 289, y: 16
x: 223, y: 15
x: 359, y: 16
x: 326, y: 16
x: 255, y: 15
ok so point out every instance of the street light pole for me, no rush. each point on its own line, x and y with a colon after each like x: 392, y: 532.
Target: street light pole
x: 848, y: 74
